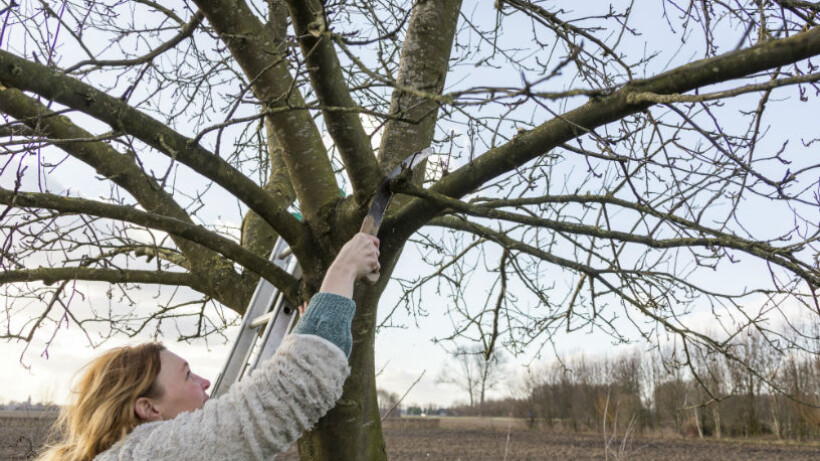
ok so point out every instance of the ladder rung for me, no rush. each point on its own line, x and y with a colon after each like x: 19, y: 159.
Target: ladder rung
x: 265, y: 318
x: 261, y: 320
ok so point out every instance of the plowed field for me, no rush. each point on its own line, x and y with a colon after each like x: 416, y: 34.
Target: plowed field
x: 472, y: 439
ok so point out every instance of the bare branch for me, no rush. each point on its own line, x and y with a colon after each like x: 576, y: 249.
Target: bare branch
x: 638, y: 98
x: 50, y: 275
x: 530, y: 144
x: 277, y: 276
x: 185, y: 31
x: 260, y: 55
x: 326, y: 78
x: 49, y: 83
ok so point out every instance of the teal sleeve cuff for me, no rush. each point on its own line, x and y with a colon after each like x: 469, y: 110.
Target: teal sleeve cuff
x: 329, y: 316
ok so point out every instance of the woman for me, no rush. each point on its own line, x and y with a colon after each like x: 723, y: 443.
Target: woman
x: 144, y: 403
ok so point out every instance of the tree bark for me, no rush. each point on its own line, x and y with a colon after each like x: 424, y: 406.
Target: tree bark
x: 352, y: 431
x: 344, y: 126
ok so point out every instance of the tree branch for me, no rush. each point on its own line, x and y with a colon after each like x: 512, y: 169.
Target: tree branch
x: 561, y: 28
x: 423, y: 64
x: 326, y: 77
x: 50, y: 275
x: 257, y: 236
x: 185, y: 31
x: 55, y: 85
x: 166, y: 11
x: 597, y: 112
x: 779, y: 256
x: 602, y: 200
x: 164, y: 254
x: 277, y: 276
x: 637, y: 98
x: 263, y: 61
x: 646, y: 308
x: 126, y: 173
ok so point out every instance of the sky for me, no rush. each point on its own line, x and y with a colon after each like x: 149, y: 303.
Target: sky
x: 402, y: 354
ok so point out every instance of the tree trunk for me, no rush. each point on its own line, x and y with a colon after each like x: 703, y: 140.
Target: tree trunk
x: 352, y: 430
x: 775, y: 418
x: 752, y: 425
x: 485, y: 374
x: 481, y: 400
x: 716, y: 416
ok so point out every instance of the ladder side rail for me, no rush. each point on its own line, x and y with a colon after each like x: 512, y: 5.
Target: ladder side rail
x: 280, y: 324
x: 244, y: 341
x: 263, y: 298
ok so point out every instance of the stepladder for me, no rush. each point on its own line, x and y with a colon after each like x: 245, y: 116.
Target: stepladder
x: 269, y: 317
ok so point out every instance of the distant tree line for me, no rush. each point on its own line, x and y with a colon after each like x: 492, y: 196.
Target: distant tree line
x: 757, y: 391
x: 27, y: 406
x: 390, y: 406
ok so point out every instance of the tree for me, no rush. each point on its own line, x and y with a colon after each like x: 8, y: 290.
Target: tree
x: 713, y: 377
x: 583, y: 165
x: 476, y: 373
x: 388, y: 403
x: 465, y: 377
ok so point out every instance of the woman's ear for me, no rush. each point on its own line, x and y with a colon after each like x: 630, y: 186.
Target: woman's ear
x: 146, y: 410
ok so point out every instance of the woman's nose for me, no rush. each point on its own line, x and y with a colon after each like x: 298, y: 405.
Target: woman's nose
x: 205, y: 383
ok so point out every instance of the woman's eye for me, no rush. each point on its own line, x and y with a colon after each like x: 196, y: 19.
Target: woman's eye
x: 188, y: 375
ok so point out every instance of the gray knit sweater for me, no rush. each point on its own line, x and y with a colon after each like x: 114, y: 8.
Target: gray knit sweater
x: 263, y: 414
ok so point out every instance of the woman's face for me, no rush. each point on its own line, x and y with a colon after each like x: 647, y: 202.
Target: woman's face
x: 182, y: 390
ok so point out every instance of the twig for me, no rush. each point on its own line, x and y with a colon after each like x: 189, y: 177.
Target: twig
x: 405, y: 394
x: 507, y: 447
x: 606, y: 442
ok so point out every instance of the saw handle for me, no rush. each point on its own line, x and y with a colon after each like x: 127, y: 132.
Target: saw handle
x: 369, y: 227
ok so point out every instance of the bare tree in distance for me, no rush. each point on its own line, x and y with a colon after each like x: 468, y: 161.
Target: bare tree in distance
x: 715, y: 381
x: 388, y: 403
x: 465, y: 375
x: 601, y: 167
x: 475, y: 373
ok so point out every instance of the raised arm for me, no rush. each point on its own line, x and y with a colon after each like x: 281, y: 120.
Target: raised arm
x: 331, y: 310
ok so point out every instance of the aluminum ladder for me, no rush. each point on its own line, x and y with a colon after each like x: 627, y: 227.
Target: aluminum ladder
x: 266, y: 322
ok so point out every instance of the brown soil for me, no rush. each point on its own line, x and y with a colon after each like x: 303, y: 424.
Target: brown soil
x: 22, y: 434
x: 473, y: 439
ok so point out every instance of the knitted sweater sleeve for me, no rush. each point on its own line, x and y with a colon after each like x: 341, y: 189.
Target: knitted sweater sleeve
x: 329, y: 316
x: 257, y: 418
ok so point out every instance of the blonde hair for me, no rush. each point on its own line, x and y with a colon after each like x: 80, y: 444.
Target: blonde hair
x: 102, y: 409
